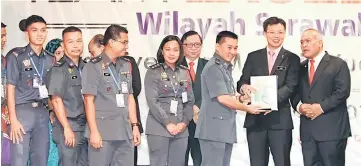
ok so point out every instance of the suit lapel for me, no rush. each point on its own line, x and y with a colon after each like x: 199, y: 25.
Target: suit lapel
x: 184, y: 62
x: 280, y: 58
x: 323, y: 64
x: 200, y: 66
x: 264, y: 61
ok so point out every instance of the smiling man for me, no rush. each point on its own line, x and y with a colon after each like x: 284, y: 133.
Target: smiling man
x: 65, y: 90
x: 272, y: 130
x: 216, y: 127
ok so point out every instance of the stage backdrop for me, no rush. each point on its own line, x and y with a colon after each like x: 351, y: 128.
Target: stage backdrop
x: 148, y: 21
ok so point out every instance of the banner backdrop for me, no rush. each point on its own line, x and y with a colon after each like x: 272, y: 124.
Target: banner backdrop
x: 148, y: 21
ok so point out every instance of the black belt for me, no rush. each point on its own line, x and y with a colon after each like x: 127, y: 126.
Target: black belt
x: 34, y: 104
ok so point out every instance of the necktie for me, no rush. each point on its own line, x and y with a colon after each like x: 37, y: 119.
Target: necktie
x: 312, y: 71
x: 191, y: 71
x: 270, y: 60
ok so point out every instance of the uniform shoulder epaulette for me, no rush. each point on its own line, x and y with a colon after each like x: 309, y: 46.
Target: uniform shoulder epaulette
x: 86, y: 59
x: 183, y: 67
x: 60, y: 62
x: 217, y: 61
x: 96, y: 59
x: 155, y: 66
x: 124, y: 58
x: 17, y: 51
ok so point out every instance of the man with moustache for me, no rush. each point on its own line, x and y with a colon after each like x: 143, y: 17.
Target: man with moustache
x: 216, y: 127
x: 96, y: 47
x: 27, y: 96
x: 324, y: 87
x: 192, y: 46
x: 64, y: 84
x: 109, y: 103
x: 271, y: 131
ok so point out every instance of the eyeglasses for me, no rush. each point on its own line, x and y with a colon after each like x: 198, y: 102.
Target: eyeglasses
x: 190, y: 45
x: 125, y: 42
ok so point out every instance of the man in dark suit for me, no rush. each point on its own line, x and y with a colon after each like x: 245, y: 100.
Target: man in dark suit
x: 271, y: 131
x: 324, y: 87
x: 192, y: 46
x: 137, y: 87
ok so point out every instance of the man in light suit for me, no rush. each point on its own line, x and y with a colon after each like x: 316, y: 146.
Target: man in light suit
x: 216, y: 127
x: 271, y: 131
x: 192, y: 46
x: 324, y: 87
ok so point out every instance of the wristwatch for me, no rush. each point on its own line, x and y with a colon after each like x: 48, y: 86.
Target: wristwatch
x: 135, y: 124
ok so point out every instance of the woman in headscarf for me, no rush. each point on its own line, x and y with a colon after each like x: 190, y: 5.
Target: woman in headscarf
x: 53, y: 47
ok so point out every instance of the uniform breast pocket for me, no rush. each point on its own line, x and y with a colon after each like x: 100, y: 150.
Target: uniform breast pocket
x: 107, y: 87
x: 165, y: 88
x: 75, y: 85
x: 26, y: 76
x: 185, y: 85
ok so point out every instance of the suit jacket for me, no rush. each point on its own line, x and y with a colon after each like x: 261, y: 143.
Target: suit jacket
x: 196, y: 85
x: 137, y: 87
x: 330, y: 88
x: 286, y: 68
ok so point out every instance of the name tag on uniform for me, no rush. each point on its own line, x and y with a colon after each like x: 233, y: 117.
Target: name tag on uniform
x: 124, y: 87
x: 36, y: 83
x: 74, y: 77
x: 120, y: 100
x: 184, y: 97
x: 281, y: 68
x: 28, y: 69
x: 43, y: 92
x: 106, y: 74
x: 173, y: 106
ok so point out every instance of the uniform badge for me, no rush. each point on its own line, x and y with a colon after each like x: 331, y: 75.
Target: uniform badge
x: 28, y: 82
x: 164, y: 76
x: 70, y: 70
x: 26, y: 62
x: 104, y: 66
x: 164, y: 90
x: 108, y: 89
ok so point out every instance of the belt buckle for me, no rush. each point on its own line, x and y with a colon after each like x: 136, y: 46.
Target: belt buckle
x: 35, y: 104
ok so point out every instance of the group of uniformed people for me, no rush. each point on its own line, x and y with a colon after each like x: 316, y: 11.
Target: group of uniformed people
x: 96, y: 121
x: 95, y: 112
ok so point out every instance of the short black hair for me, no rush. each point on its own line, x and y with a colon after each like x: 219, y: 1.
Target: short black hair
x: 25, y: 23
x: 70, y: 29
x: 113, y: 32
x: 3, y: 25
x: 273, y: 21
x: 221, y: 35
x: 98, y: 40
x: 191, y: 33
x: 160, y: 56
